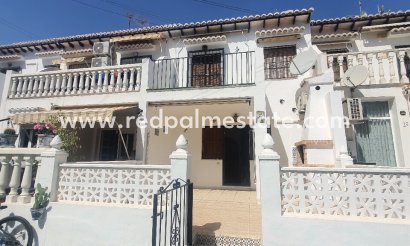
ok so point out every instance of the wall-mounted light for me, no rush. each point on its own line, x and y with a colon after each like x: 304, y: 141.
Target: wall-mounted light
x: 235, y: 117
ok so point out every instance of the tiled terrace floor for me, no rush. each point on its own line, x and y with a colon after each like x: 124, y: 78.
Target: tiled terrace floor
x: 226, y: 212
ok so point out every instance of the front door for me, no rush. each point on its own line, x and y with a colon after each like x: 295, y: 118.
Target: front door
x: 374, y: 136
x: 236, y: 158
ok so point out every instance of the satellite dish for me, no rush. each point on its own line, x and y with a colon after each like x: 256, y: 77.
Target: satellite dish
x: 355, y: 76
x: 303, y: 62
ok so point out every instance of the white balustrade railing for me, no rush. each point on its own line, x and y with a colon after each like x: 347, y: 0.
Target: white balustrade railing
x: 112, y: 184
x: 76, y: 82
x: 384, y: 67
x: 378, y: 193
x: 16, y: 174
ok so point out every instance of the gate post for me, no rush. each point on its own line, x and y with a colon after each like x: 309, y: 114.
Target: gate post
x: 48, y: 169
x: 269, y: 169
x: 181, y: 160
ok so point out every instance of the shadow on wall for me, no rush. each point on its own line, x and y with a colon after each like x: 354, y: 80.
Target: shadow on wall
x: 277, y: 138
x: 205, y: 234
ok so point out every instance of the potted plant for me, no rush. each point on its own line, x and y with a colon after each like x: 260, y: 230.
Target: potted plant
x: 41, y: 199
x: 45, y: 133
x: 8, y: 138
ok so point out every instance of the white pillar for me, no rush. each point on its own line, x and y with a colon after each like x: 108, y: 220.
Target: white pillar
x: 100, y: 81
x: 4, y: 174
x: 106, y: 80
x: 380, y: 57
x: 48, y: 169
x: 403, y: 73
x: 14, y: 180
x: 337, y: 128
x: 142, y: 134
x: 270, y: 183
x: 259, y: 104
x: 132, y: 79
x: 372, y: 80
x: 118, y: 85
x: 181, y: 160
x: 25, y: 196
x: 125, y: 80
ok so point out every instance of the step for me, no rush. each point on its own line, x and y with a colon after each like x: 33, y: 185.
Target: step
x: 221, y: 240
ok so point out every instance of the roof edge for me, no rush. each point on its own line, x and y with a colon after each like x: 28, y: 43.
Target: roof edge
x: 160, y: 28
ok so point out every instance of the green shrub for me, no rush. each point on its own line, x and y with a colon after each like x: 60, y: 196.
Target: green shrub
x: 9, y: 131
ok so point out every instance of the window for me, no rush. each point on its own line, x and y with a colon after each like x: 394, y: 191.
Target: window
x: 277, y: 62
x: 206, y: 67
x: 79, y: 65
x: 133, y: 59
x: 28, y: 138
x: 212, y: 143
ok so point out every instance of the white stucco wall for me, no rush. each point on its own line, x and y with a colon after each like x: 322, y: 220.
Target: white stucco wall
x: 266, y: 95
x: 69, y: 224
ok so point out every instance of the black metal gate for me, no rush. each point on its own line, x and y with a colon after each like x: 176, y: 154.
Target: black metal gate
x: 172, y: 214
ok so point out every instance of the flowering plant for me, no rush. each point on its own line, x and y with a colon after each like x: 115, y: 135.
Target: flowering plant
x: 45, y: 128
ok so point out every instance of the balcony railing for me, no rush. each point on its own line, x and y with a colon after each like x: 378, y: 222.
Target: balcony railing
x: 384, y: 67
x: 206, y: 70
x: 16, y: 175
x: 76, y: 82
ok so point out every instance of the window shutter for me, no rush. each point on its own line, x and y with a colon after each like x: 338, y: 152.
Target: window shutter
x: 212, y: 143
x: 277, y: 62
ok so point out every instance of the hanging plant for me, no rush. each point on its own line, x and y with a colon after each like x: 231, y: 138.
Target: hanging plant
x: 69, y: 137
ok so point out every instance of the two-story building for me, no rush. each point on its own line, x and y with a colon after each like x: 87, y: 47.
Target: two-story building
x: 220, y: 68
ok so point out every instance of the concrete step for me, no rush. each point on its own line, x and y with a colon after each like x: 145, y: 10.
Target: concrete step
x: 221, y: 240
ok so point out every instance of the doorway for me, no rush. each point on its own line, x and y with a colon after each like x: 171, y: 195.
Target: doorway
x: 237, y: 146
x: 112, y: 146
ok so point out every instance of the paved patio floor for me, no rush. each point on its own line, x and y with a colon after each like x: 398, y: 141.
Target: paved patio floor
x: 227, y: 213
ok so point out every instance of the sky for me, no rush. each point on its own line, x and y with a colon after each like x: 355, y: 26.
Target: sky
x: 25, y: 20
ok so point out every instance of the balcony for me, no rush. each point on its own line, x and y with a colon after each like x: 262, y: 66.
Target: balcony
x: 203, y: 69
x: 86, y: 81
x: 384, y: 67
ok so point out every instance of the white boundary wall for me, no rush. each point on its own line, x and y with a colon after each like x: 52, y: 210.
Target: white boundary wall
x: 351, y: 206
x: 93, y: 203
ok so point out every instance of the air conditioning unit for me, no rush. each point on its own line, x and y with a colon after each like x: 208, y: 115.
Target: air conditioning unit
x: 355, y: 109
x: 101, y: 61
x: 101, y: 48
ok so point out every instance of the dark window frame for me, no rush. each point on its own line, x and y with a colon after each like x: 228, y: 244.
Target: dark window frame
x: 211, y: 78
x: 85, y: 64
x: 280, y: 69
x: 133, y: 59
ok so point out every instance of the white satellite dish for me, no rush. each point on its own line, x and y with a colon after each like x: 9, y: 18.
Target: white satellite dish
x: 303, y: 62
x: 355, y: 76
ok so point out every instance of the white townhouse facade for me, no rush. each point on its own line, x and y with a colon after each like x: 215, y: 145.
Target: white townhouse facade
x: 225, y: 68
